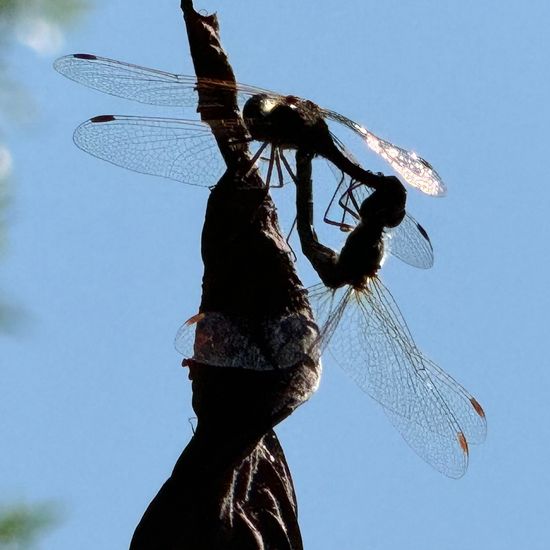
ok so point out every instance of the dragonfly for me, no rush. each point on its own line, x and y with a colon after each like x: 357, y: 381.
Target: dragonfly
x: 363, y: 328
x: 155, y: 87
x: 185, y: 150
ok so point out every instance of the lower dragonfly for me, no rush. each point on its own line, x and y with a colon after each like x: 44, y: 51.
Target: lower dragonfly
x: 407, y: 241
x: 364, y: 329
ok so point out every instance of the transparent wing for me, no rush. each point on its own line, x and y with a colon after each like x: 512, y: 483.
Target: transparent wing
x: 224, y: 341
x: 185, y: 336
x: 409, y: 241
x: 370, y: 340
x: 416, y: 171
x: 182, y: 150
x: 465, y: 406
x: 141, y: 84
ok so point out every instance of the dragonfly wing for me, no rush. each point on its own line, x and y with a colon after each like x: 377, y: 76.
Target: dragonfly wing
x: 182, y: 150
x: 224, y: 341
x: 410, y: 243
x: 185, y: 336
x: 371, y: 342
x: 128, y: 81
x: 468, y: 411
x: 141, y: 84
x: 416, y: 171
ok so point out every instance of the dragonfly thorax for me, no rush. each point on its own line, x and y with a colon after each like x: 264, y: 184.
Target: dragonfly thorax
x: 362, y: 255
x: 287, y: 122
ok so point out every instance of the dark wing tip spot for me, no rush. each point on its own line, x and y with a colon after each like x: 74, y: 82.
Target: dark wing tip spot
x: 423, y: 232
x: 462, y: 442
x: 477, y: 407
x: 84, y: 56
x: 102, y: 118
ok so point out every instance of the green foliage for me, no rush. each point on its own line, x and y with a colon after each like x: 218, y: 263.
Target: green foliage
x: 21, y: 524
x: 8, y: 315
x: 7, y: 6
x: 56, y: 11
x: 3, y: 205
x: 64, y: 11
x: 16, y: 105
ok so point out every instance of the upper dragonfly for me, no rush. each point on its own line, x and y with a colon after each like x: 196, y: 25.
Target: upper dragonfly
x: 162, y: 146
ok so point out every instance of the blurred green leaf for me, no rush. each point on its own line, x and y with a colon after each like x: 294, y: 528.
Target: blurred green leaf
x: 21, y: 524
x: 64, y: 11
x: 8, y: 6
x: 11, y: 318
x: 3, y: 205
x: 35, y: 23
x: 56, y: 11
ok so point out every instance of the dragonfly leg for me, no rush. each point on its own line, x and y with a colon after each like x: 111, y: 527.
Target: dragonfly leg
x: 280, y: 178
x: 294, y: 257
x: 288, y: 167
x: 255, y: 159
x: 343, y: 202
x: 270, y: 168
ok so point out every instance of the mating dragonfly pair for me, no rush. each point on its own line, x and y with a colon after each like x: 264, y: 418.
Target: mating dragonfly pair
x: 358, y: 318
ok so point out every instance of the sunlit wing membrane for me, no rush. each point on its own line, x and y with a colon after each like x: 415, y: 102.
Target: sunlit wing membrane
x: 416, y: 171
x: 181, y: 150
x: 141, y: 84
x: 369, y: 339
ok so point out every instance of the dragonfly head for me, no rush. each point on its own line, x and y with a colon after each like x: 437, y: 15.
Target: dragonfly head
x: 385, y: 207
x: 258, y: 117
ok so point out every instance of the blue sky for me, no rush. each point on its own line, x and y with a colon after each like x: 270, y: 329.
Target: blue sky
x: 105, y: 263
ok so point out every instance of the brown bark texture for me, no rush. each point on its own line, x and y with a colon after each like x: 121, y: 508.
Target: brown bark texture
x: 231, y: 487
